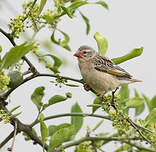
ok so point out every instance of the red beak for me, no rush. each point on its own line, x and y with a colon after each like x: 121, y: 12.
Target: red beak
x: 78, y: 54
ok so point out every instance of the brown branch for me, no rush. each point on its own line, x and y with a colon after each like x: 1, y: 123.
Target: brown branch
x: 21, y: 127
x: 28, y: 130
x: 134, y: 125
x: 138, y: 130
x: 35, y: 74
x: 40, y: 75
x: 8, y: 36
x: 70, y: 114
x: 124, y: 140
x: 6, y: 139
x: 11, y: 39
x: 14, y: 136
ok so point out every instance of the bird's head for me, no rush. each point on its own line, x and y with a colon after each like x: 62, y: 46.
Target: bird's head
x: 85, y: 52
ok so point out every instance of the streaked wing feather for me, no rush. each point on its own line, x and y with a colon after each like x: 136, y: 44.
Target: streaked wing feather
x: 105, y: 65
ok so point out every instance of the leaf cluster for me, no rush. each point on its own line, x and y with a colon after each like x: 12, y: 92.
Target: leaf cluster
x: 54, y: 137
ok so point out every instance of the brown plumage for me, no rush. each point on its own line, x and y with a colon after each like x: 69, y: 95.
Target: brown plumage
x: 99, y: 72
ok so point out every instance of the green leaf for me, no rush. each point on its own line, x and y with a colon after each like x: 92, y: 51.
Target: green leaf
x: 151, y: 118
x: 16, y: 78
x: 136, y: 93
x: 13, y: 109
x: 43, y: 130
x: 96, y: 101
x: 72, y: 8
x: 53, y: 128
x: 102, y: 3
x: 124, y: 93
x: 57, y: 63
x: 132, y: 54
x: 97, y: 125
x: 87, y: 22
x: 37, y: 96
x: 42, y: 4
x: 63, y: 43
x: 55, y: 99
x: 15, y: 54
x: 71, y: 85
x: 76, y: 5
x: 102, y: 43
x: 139, y: 109
x: 76, y: 121
x: 15, y: 115
x: 152, y: 103
x: 0, y: 48
x: 60, y: 136
x: 135, y: 102
x: 0, y: 56
x: 67, y: 11
x: 147, y: 101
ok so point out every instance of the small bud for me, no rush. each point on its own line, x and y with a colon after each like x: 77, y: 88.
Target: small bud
x: 69, y: 95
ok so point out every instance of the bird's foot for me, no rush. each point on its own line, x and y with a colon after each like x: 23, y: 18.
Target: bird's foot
x: 101, y: 96
x: 86, y: 87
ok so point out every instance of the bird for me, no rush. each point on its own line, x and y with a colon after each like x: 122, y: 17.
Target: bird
x: 100, y: 73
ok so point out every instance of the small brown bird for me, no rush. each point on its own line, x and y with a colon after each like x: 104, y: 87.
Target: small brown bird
x: 99, y: 72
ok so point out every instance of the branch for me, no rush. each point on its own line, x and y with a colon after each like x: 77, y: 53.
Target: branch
x: 6, y: 139
x: 13, y: 141
x: 21, y: 127
x: 40, y: 75
x: 136, y: 127
x: 28, y: 130
x: 140, y: 147
x: 70, y: 114
x: 34, y: 2
x: 11, y: 39
x: 124, y: 140
x: 8, y: 36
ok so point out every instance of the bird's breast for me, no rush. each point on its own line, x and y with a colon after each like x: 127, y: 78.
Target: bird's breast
x: 97, y: 80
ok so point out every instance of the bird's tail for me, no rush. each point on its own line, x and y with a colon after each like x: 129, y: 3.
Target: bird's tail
x: 135, y: 80
x: 128, y: 81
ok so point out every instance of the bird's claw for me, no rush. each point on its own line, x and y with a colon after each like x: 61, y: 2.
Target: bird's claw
x: 100, y: 95
x: 86, y: 87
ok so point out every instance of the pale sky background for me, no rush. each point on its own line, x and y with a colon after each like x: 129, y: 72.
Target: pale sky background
x: 127, y: 25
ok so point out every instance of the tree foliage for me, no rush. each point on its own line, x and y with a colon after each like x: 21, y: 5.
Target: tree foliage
x: 133, y: 135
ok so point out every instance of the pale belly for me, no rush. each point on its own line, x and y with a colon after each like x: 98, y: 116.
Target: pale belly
x: 99, y: 81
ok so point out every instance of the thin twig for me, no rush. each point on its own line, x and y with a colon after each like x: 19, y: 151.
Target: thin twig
x: 29, y: 131
x: 13, y: 141
x: 124, y: 140
x: 33, y: 4
x: 138, y: 130
x: 135, y: 126
x: 26, y: 72
x: 39, y: 75
x: 8, y: 36
x: 24, y: 128
x: 6, y: 139
x: 70, y: 114
x: 11, y: 39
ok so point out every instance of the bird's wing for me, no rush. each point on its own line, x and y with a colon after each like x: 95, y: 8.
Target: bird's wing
x: 104, y: 64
